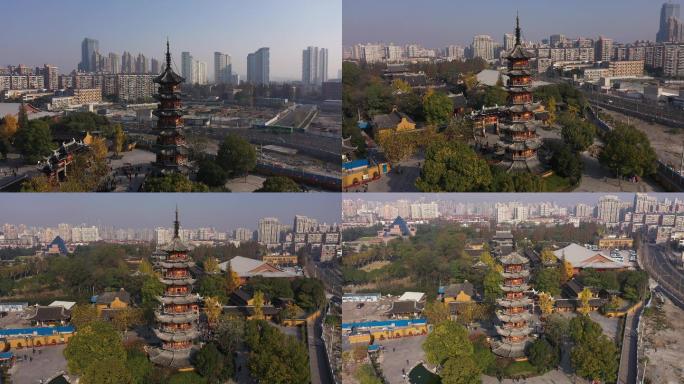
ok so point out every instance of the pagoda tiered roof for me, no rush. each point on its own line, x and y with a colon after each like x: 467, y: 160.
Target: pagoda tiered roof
x: 518, y: 53
x: 176, y: 112
x: 513, y: 317
x: 168, y: 76
x: 176, y: 245
x: 171, y: 358
x: 513, y: 258
x: 176, y: 335
x: 514, y: 288
x: 514, y: 275
x: 508, y: 303
x: 518, y: 127
x: 187, y: 299
x: 521, y: 145
x: 176, y: 264
x: 177, y: 281
x: 513, y: 331
x: 512, y: 350
x: 176, y: 318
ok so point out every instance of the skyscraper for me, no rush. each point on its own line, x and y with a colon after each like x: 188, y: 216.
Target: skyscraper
x: 88, y: 47
x: 258, y: 67
x: 509, y: 41
x: 608, y: 209
x: 155, y: 68
x: 127, y: 63
x: 114, y: 63
x: 314, y: 65
x: 667, y: 12
x: 186, y: 67
x: 141, y: 64
x: 222, y: 68
x: 50, y: 77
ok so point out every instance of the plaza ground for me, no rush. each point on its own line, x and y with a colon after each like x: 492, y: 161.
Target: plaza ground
x: 370, y: 311
x: 38, y: 366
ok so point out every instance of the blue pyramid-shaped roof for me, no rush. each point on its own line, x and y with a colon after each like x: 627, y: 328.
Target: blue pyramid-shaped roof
x: 399, y: 221
x: 61, y: 245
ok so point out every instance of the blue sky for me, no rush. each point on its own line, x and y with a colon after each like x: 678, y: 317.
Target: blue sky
x: 438, y: 23
x: 149, y: 210
x: 43, y: 31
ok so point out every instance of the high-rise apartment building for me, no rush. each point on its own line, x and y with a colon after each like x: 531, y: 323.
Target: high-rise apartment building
x: 243, y: 234
x: 114, y: 63
x: 222, y: 68
x: 199, y: 72
x: 258, y: 67
x: 127, y: 65
x: 50, y: 77
x: 141, y: 64
x: 604, y: 49
x: 303, y: 224
x: 269, y: 230
x: 509, y: 41
x: 608, y: 209
x: 314, y: 66
x: 483, y: 47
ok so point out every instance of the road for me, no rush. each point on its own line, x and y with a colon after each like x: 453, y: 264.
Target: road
x: 627, y: 373
x: 318, y: 360
x: 662, y: 270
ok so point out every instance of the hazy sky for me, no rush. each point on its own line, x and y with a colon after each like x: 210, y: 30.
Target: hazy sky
x: 149, y: 210
x: 562, y: 199
x: 438, y: 23
x: 39, y: 31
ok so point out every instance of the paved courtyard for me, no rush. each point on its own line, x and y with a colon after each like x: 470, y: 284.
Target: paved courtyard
x: 38, y: 366
x: 250, y: 184
x: 404, y: 353
x: 552, y: 377
x: 401, y: 178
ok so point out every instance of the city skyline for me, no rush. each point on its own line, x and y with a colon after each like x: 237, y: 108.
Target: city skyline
x: 226, y: 27
x: 563, y: 199
x: 148, y: 211
x: 639, y: 20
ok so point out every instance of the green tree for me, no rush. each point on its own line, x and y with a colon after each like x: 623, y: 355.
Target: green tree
x: 400, y: 85
x: 173, y: 182
x: 211, y: 174
x: 279, y: 184
x: 236, y: 156
x: 275, y: 357
x: 139, y: 366
x: 494, y: 96
x: 551, y: 108
x: 210, y: 363
x: 107, y: 370
x: 453, y: 167
x: 22, y: 117
x: 461, y: 370
x: 628, y: 152
x: 578, y: 133
x: 34, y: 140
x: 213, y: 286
x: 309, y: 294
x: 548, y: 280
x: 566, y: 163
x: 378, y: 98
x: 83, y: 315
x: 186, y: 378
x: 93, y: 343
x: 438, y: 108
x: 448, y: 340
x: 543, y: 355
x: 492, y: 285
x: 596, y: 359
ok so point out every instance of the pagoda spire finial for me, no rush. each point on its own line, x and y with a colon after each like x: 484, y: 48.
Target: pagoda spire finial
x: 168, y: 54
x: 176, y: 225
x: 517, y: 28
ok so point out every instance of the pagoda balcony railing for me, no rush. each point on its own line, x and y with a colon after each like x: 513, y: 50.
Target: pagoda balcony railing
x: 177, y: 294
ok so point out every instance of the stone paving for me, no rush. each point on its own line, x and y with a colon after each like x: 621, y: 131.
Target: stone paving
x: 38, y: 366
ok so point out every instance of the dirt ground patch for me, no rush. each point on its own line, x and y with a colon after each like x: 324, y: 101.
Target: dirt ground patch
x: 664, y: 343
x: 666, y: 141
x: 375, y: 265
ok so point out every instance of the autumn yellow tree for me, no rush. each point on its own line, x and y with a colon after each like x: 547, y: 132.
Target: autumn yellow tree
x: 146, y: 268
x: 436, y: 312
x: 397, y: 146
x: 233, y: 280
x: 99, y: 148
x: 551, y: 109
x: 487, y: 259
x: 584, y: 298
x: 400, y: 85
x: 545, y: 303
x: 259, y: 302
x: 212, y: 307
x: 127, y: 318
x: 8, y: 127
x: 82, y: 315
x: 567, y: 272
x: 547, y: 256
x: 211, y: 265
x: 119, y: 139
x: 39, y: 183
